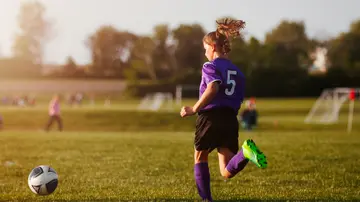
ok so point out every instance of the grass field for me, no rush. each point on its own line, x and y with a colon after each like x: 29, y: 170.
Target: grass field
x: 155, y: 163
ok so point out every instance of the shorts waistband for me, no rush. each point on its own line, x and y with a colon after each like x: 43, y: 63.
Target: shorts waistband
x: 218, y: 109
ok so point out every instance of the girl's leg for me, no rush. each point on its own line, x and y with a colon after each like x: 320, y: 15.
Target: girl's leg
x: 59, y: 122
x: 230, y: 164
x: 49, y: 123
x: 202, y: 174
x: 224, y: 155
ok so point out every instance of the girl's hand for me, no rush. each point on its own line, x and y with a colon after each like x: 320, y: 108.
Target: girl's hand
x: 187, y: 111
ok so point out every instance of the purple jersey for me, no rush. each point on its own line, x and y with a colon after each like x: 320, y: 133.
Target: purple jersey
x: 232, y: 84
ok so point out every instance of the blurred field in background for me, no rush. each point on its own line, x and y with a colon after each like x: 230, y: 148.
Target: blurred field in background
x: 122, y: 115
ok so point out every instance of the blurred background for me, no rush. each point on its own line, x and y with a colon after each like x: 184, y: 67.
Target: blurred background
x: 148, y: 55
x: 123, y: 69
x: 282, y: 53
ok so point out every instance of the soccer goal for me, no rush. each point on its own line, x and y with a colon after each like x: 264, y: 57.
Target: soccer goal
x: 327, y: 107
x: 157, y: 101
x: 184, y: 91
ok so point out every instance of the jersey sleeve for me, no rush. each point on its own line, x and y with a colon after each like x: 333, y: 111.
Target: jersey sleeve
x: 210, y: 73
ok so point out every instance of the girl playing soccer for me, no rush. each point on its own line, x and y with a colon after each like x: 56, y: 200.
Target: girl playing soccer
x: 221, y: 94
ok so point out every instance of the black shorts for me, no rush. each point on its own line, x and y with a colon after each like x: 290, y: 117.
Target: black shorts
x: 215, y: 128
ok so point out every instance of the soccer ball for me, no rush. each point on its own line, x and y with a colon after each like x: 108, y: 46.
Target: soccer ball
x: 43, y: 180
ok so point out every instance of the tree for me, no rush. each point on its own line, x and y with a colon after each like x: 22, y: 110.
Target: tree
x: 239, y: 53
x: 70, y: 67
x: 289, y: 34
x: 141, y: 57
x: 189, y: 51
x: 110, y: 50
x: 35, y: 31
x: 344, y: 49
x: 162, y: 56
x: 355, y: 27
x: 255, y: 53
x: 287, y: 43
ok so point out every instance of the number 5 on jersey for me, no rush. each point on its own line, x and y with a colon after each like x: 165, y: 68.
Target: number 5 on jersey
x: 229, y: 81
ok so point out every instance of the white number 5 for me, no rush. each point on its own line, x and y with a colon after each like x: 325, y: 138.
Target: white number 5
x: 231, y: 82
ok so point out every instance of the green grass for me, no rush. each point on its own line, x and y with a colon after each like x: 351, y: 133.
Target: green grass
x: 159, y: 167
x: 118, y: 154
x: 284, y: 115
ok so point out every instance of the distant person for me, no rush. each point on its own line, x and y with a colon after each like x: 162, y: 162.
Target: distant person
x: 79, y: 98
x: 221, y: 93
x: 32, y: 101
x: 15, y: 101
x: 5, y: 100
x: 54, y: 113
x: 71, y: 99
x: 1, y: 122
x: 249, y: 115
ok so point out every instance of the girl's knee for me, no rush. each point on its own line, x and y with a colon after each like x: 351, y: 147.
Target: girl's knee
x: 226, y: 174
x: 201, y: 156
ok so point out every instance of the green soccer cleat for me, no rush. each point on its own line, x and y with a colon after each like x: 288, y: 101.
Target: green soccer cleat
x: 253, y: 153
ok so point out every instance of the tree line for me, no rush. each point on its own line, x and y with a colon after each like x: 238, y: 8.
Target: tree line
x: 277, y: 66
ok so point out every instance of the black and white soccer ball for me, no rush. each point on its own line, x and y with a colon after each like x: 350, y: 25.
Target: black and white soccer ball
x: 43, y: 180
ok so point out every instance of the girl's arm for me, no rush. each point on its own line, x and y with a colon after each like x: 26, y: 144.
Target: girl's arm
x: 210, y: 92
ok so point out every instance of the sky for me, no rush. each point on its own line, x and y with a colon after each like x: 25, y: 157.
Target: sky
x: 75, y: 20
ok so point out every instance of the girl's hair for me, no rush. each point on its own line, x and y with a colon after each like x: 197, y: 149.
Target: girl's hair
x: 225, y: 29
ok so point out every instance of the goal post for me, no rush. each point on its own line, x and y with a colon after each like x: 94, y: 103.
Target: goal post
x: 167, y: 100
x: 326, y: 109
x: 156, y: 101
x: 182, y: 90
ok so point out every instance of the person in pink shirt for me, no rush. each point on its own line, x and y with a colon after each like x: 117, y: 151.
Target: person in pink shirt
x: 54, y: 113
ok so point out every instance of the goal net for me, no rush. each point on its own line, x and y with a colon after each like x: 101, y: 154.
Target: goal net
x: 157, y: 101
x: 327, y: 107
